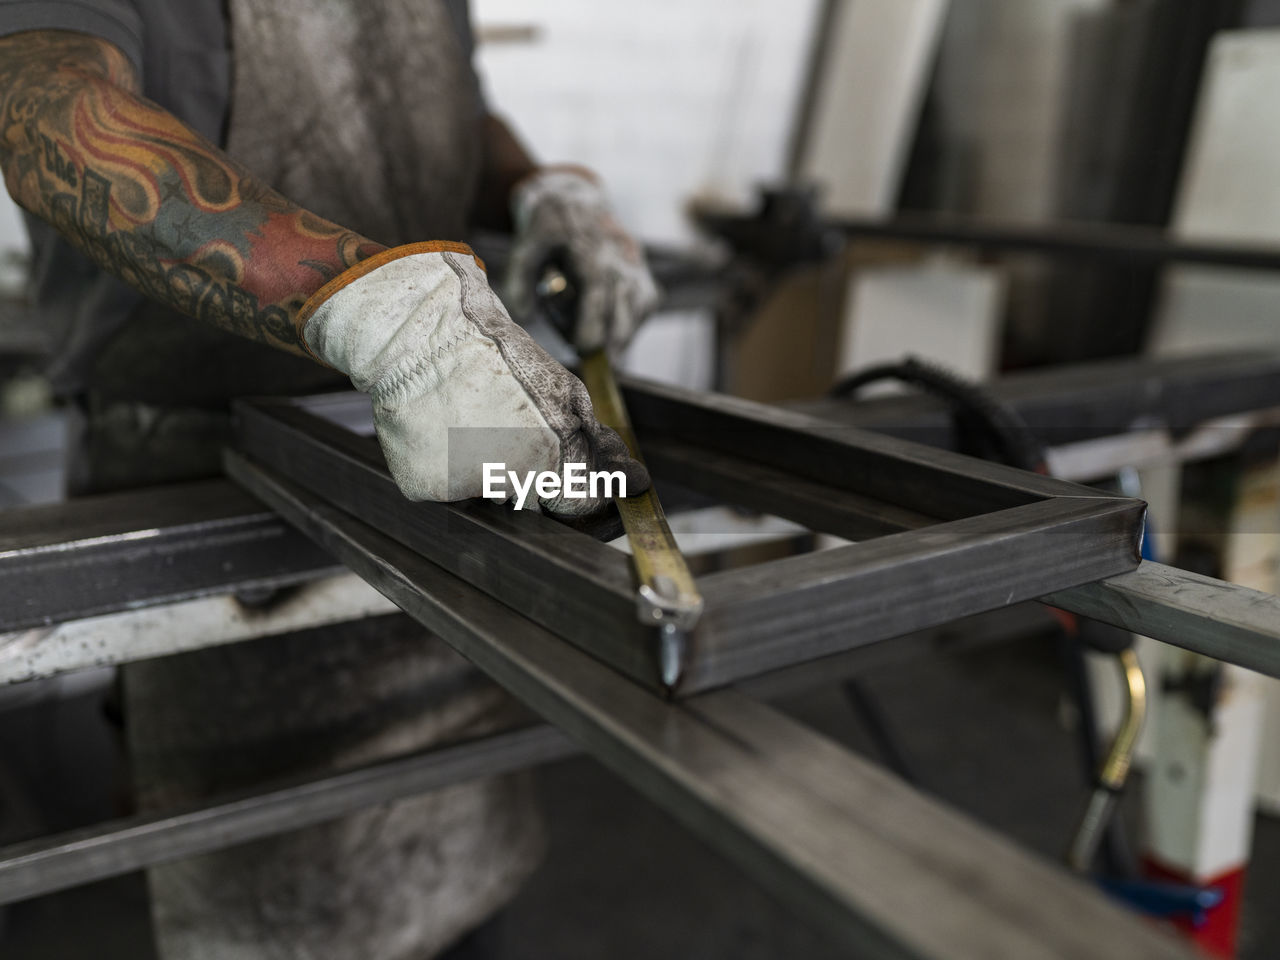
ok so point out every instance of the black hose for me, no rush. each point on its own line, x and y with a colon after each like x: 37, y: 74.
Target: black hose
x: 988, y: 428
x: 991, y: 430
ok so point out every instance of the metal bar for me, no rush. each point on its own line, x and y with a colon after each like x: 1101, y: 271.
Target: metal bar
x: 1113, y: 243
x: 579, y: 588
x: 100, y: 555
x: 770, y: 490
x: 935, y: 483
x: 1062, y: 405
x: 1106, y: 242
x: 163, y: 630
x: 783, y: 612
x: 845, y: 843
x: 42, y: 866
x: 1218, y: 619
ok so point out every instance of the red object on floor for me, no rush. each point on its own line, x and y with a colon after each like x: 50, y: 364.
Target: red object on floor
x: 1217, y: 934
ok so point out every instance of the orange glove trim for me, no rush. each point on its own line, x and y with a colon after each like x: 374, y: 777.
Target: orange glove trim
x: 367, y: 266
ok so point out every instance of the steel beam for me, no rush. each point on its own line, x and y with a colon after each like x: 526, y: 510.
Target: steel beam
x: 772, y: 491
x: 1110, y: 243
x: 117, y: 552
x: 1220, y: 620
x: 169, y: 628
x: 783, y: 612
x: 934, y: 483
x: 41, y: 866
x: 885, y: 870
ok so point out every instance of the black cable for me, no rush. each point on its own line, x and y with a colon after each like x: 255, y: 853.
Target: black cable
x: 990, y: 429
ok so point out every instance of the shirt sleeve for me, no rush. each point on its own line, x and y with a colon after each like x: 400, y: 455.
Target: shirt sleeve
x: 115, y: 21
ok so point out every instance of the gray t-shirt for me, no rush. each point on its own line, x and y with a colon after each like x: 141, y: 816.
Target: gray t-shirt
x: 183, y: 57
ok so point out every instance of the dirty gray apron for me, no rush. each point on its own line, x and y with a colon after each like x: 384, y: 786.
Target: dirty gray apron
x: 365, y: 112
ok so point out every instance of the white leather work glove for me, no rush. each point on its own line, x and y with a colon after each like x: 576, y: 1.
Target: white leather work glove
x: 565, y: 209
x: 454, y: 382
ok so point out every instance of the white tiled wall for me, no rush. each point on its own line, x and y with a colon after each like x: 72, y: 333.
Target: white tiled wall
x: 665, y: 98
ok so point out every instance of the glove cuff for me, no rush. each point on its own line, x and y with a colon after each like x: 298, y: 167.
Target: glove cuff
x: 555, y: 180
x: 364, y: 268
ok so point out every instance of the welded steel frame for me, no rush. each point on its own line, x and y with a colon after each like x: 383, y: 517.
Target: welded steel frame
x: 951, y: 536
x: 854, y: 849
x: 137, y: 549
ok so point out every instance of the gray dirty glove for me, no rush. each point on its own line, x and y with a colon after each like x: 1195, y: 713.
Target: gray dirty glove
x: 565, y: 208
x: 455, y: 383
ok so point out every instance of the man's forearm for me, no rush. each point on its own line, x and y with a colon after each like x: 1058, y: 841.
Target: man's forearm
x: 152, y: 201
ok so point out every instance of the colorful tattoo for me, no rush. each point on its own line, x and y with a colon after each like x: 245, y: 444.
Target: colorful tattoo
x: 151, y: 200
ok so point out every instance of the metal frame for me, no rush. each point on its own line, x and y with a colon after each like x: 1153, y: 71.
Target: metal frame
x: 847, y: 844
x: 988, y: 535
x: 48, y: 555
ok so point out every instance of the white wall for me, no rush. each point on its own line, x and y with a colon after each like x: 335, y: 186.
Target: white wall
x: 13, y: 235
x: 667, y: 99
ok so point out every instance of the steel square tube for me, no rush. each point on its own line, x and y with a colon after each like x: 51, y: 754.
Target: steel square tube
x: 783, y: 612
x: 36, y: 867
x: 99, y: 555
x: 1221, y: 620
x: 1110, y: 242
x: 770, y: 490
x: 934, y: 483
x: 567, y: 581
x: 885, y: 870
x: 937, y: 484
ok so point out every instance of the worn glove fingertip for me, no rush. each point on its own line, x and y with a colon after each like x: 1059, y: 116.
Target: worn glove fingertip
x: 637, y: 474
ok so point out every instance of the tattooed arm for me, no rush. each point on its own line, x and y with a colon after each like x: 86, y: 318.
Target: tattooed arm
x: 152, y: 201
